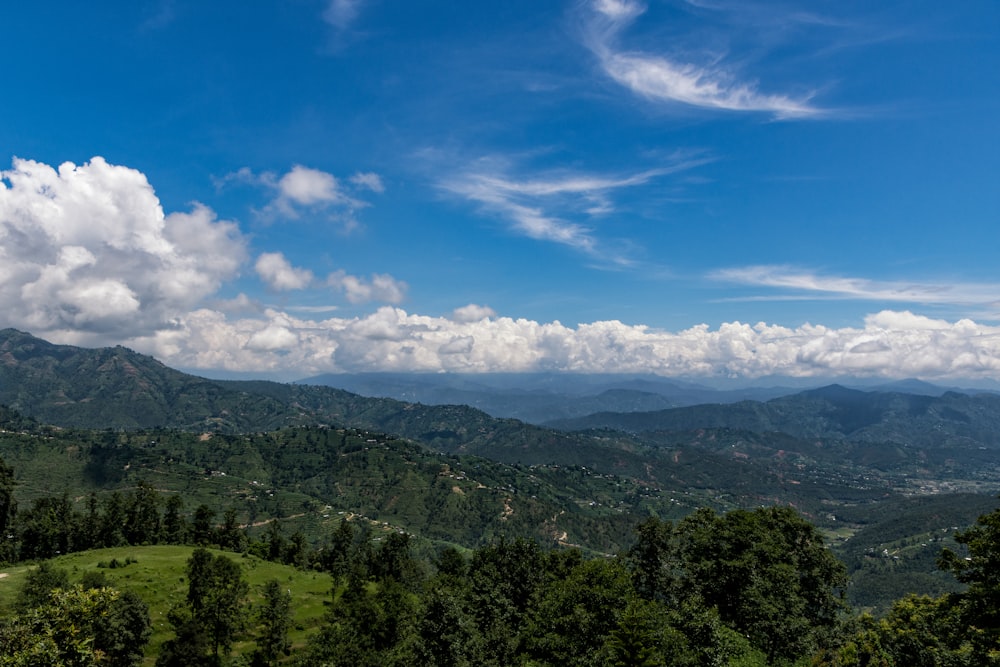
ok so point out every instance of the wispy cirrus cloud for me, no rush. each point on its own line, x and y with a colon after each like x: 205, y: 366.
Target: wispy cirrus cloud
x: 342, y: 13
x: 801, y: 283
x: 550, y: 206
x: 673, y: 80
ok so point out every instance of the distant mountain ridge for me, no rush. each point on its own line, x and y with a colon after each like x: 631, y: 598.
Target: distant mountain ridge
x: 952, y: 419
x: 538, y: 398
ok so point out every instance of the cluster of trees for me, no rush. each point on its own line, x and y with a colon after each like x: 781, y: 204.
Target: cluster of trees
x: 215, y: 614
x: 90, y: 623
x: 53, y: 526
x: 756, y: 587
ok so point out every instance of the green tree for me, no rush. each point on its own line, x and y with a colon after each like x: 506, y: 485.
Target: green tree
x: 503, y: 577
x: 769, y: 575
x: 121, y: 634
x: 47, y: 528
x: 77, y: 628
x: 174, y: 526
x: 203, y: 528
x: 336, y: 556
x: 8, y: 514
x: 113, y: 521
x: 653, y: 560
x: 979, y: 605
x: 275, y: 618
x: 217, y: 592
x: 231, y: 534
x: 575, y: 613
x: 142, y: 518
x: 446, y: 634
x: 368, y: 626
x: 39, y: 584
x: 190, y: 645
x: 634, y: 642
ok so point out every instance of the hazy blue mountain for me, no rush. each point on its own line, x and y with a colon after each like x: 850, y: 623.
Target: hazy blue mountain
x: 537, y: 398
x: 951, y: 419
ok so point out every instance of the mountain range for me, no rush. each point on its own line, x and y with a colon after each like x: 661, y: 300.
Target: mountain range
x: 855, y: 461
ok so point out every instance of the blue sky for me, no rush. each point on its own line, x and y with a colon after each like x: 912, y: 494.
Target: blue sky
x: 697, y: 188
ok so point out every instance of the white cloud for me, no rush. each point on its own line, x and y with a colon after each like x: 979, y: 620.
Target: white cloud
x: 888, y: 344
x: 341, y: 13
x: 305, y: 190
x: 619, y: 10
x: 88, y: 251
x: 539, y: 207
x: 273, y: 337
x: 802, y: 282
x: 667, y: 80
x: 381, y: 287
x: 279, y: 274
x: 306, y: 186
x: 472, y: 313
x: 369, y: 180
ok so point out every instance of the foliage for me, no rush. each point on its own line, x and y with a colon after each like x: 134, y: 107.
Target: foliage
x: 274, y: 616
x: 78, y: 627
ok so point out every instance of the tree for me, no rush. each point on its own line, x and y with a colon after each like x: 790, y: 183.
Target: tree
x: 335, y: 557
x: 113, y: 521
x: 217, y: 592
x: 174, y: 526
x: 980, y: 571
x: 39, y: 584
x: 8, y: 513
x: 202, y: 529
x: 504, y: 577
x: 231, y: 535
x: 653, y: 559
x: 190, y: 645
x: 365, y: 627
x: 276, y: 543
x: 275, y: 617
x: 123, y: 632
x: 142, y: 519
x: 633, y: 642
x: 767, y: 572
x: 47, y: 528
x: 297, y: 551
x: 575, y: 613
x: 446, y: 634
x: 393, y: 560
x: 78, y: 628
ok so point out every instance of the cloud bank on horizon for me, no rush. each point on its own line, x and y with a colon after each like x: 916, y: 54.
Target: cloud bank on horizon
x: 615, y: 187
x: 138, y: 276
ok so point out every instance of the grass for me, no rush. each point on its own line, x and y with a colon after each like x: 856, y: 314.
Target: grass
x: 157, y: 575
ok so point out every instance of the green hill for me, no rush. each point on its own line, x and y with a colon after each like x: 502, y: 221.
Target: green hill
x: 157, y: 575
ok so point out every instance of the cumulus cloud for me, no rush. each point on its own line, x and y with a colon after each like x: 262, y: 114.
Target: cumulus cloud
x: 308, y: 191
x: 472, y: 313
x: 887, y: 344
x: 87, y: 250
x: 381, y: 287
x: 663, y: 79
x: 306, y: 186
x: 279, y: 274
